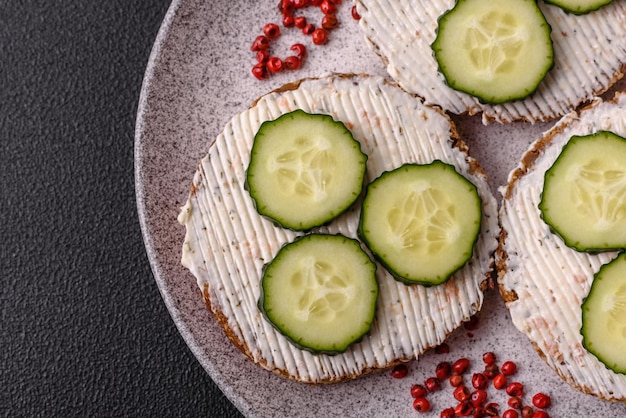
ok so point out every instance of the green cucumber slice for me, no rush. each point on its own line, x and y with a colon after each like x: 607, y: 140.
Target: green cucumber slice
x: 320, y: 292
x: 305, y: 170
x: 604, y: 315
x: 579, y: 7
x: 584, y: 193
x: 421, y: 221
x: 497, y: 51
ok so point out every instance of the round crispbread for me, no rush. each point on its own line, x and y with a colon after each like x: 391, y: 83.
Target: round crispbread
x: 227, y: 243
x: 589, y: 57
x: 543, y: 282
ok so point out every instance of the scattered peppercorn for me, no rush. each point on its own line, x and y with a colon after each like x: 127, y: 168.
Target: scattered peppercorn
x: 461, y: 393
x: 527, y: 411
x: 515, y: 402
x: 456, y: 380
x: 328, y: 8
x: 292, y: 63
x: 355, y: 13
x: 541, y: 400
x: 329, y: 22
x: 464, y: 409
x: 491, y: 371
x: 471, y: 324
x: 400, y: 371
x: 271, y: 30
x: 289, y: 10
x: 499, y: 382
x: 418, y: 391
x: 447, y: 413
x: 510, y: 413
x: 478, y: 397
x: 432, y: 384
x: 443, y: 370
x: 319, y: 36
x: 479, y: 381
x: 491, y: 409
x: 300, y: 22
x: 260, y: 71
x: 515, y: 389
x: 460, y: 366
x: 421, y: 404
x: 442, y: 348
x: 489, y: 357
x: 508, y: 368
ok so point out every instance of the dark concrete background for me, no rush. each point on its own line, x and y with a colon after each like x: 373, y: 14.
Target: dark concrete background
x: 83, y: 331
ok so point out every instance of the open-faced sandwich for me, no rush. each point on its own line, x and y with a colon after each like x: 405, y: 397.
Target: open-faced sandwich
x: 561, y: 260
x: 509, y: 59
x: 339, y: 226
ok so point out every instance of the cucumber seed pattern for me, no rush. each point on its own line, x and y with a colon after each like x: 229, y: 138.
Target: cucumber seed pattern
x: 497, y: 51
x: 604, y: 315
x: 324, y: 291
x: 600, y: 194
x: 616, y: 306
x: 423, y: 221
x: 494, y: 42
x: 305, y: 169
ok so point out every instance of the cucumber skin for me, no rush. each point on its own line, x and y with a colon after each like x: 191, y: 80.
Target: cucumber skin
x: 403, y: 279
x: 392, y: 271
x: 480, y: 99
x: 585, y: 341
x: 579, y: 11
x: 261, y: 306
x: 277, y: 223
x: 568, y: 242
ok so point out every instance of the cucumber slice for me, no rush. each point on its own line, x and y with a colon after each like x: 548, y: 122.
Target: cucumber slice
x: 579, y: 7
x: 305, y: 170
x: 604, y: 315
x: 497, y: 51
x: 584, y: 193
x: 320, y: 292
x: 421, y: 221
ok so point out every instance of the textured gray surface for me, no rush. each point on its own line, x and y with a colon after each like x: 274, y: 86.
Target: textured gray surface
x: 84, y: 330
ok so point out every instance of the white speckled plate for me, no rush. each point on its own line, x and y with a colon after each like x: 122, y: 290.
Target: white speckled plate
x: 198, y: 77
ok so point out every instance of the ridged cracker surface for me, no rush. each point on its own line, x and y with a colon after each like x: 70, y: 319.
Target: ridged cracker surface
x: 589, y: 54
x: 227, y: 242
x: 544, y: 282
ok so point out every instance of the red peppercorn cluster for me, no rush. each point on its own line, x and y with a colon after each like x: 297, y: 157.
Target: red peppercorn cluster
x: 472, y: 398
x: 268, y: 64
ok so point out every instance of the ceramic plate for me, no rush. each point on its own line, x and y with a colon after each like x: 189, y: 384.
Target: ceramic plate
x: 197, y: 78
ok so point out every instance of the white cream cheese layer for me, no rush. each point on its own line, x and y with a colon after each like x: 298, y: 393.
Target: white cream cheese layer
x: 589, y: 53
x: 227, y: 243
x: 544, y: 280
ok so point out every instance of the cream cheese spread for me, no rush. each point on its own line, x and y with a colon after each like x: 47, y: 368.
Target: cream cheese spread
x: 589, y: 56
x: 227, y: 243
x: 543, y: 281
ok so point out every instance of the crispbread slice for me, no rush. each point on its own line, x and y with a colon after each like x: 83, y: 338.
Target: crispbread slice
x: 227, y: 242
x: 589, y: 50
x: 542, y: 281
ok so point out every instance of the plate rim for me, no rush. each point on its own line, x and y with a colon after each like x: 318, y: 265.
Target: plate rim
x: 174, y: 16
x: 151, y: 68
